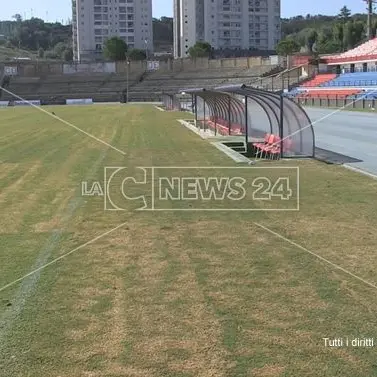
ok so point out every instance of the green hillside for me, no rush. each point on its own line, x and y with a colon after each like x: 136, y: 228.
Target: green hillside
x: 8, y: 54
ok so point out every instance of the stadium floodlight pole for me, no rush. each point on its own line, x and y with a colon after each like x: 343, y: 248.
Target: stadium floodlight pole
x: 146, y: 49
x: 204, y: 115
x: 196, y: 109
x: 229, y: 116
x: 246, y: 126
x: 128, y: 76
x: 370, y: 4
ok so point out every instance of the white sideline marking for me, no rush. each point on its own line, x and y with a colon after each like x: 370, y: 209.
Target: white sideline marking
x: 159, y: 108
x: 144, y: 103
x: 30, y: 280
x: 235, y: 156
x: 64, y: 256
x: 361, y: 171
x: 64, y: 121
x: 316, y: 255
x: 191, y: 127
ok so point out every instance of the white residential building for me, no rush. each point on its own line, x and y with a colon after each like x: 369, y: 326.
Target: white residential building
x: 93, y: 21
x: 226, y: 24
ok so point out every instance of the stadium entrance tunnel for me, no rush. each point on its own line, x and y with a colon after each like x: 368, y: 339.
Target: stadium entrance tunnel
x: 263, y: 119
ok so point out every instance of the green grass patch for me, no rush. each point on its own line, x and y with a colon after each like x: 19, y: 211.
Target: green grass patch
x: 173, y: 293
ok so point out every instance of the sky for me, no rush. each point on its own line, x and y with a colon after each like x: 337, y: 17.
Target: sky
x: 58, y: 10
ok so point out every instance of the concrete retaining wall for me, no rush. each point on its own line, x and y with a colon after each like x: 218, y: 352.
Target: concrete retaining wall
x: 34, y: 69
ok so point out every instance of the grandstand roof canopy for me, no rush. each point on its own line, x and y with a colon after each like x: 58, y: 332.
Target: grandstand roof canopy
x: 362, y: 53
x: 258, y: 112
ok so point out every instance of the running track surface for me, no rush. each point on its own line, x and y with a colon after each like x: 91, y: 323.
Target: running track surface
x: 350, y: 133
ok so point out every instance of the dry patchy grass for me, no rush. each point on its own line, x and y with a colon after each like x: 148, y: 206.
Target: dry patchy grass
x: 180, y: 294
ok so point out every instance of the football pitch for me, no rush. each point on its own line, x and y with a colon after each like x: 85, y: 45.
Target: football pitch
x: 91, y: 292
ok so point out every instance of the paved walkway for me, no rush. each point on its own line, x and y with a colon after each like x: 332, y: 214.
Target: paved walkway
x: 350, y: 133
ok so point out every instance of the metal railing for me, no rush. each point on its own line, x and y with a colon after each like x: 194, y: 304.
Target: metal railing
x: 350, y: 83
x: 360, y: 69
x: 338, y: 102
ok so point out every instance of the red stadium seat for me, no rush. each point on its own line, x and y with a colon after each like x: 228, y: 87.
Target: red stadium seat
x: 330, y: 93
x: 266, y: 138
x: 318, y: 80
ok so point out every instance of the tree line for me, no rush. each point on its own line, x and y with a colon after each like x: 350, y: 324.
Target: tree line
x: 116, y: 49
x: 324, y: 34
x: 316, y: 34
x: 54, y: 40
x: 48, y: 40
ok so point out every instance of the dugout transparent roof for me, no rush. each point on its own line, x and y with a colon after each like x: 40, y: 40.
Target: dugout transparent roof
x: 254, y: 113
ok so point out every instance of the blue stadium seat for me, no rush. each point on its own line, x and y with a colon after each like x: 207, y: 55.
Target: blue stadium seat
x: 353, y: 80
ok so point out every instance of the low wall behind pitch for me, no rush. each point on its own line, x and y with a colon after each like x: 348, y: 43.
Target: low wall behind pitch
x: 40, y: 69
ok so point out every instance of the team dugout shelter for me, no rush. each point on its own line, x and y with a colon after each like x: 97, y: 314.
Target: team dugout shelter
x: 263, y: 119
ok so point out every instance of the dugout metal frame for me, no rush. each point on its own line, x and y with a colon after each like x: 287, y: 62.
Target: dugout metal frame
x: 257, y: 112
x: 178, y: 102
x: 171, y: 101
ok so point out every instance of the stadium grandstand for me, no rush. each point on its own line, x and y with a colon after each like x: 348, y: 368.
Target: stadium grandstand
x: 55, y: 89
x: 347, y: 76
x: 114, y: 82
x: 158, y: 82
